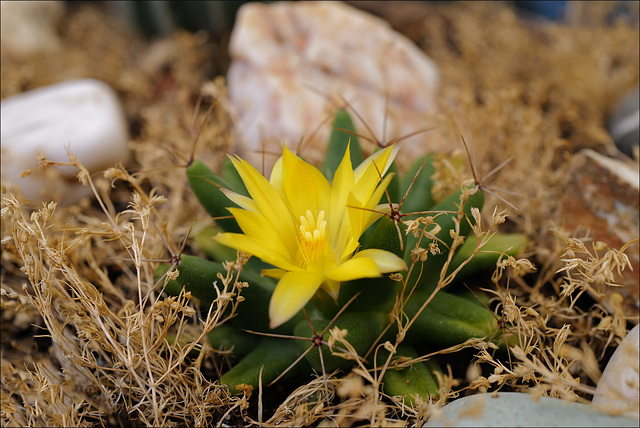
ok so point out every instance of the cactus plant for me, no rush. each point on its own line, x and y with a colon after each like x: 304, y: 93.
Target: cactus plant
x: 325, y: 266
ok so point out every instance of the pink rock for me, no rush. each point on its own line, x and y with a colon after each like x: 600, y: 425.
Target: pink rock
x: 286, y: 55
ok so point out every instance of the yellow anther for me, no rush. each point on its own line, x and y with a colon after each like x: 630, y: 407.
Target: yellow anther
x: 313, y: 233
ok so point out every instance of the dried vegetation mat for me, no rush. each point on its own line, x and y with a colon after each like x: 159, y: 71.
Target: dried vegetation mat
x: 88, y: 337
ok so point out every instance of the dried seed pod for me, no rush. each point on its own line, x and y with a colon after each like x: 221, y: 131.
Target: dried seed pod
x: 428, y: 273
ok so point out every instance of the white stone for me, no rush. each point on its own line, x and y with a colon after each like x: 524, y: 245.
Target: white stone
x: 285, y: 55
x: 618, y: 389
x: 518, y: 409
x: 28, y: 28
x: 82, y: 115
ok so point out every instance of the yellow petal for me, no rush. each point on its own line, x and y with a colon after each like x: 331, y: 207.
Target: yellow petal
x: 276, y: 177
x: 266, y: 198
x: 384, y: 207
x: 293, y: 291
x: 304, y: 185
x: 371, y: 213
x: 383, y: 160
x: 354, y: 268
x: 331, y: 287
x: 367, y: 192
x: 386, y: 261
x: 339, y: 228
x: 378, y: 193
x: 359, y: 216
x: 369, y: 173
x: 351, y: 246
x: 273, y: 273
x: 244, y: 243
x: 258, y: 228
x: 240, y: 200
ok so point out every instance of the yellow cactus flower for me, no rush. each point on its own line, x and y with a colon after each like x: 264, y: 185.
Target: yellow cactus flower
x: 309, y: 229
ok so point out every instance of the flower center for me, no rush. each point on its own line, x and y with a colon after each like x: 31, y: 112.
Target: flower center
x: 313, y: 233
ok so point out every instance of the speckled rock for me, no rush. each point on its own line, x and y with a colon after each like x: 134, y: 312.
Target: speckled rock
x: 517, y: 409
x: 82, y: 115
x: 28, y: 28
x: 619, y: 385
x: 289, y: 58
x: 602, y: 198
